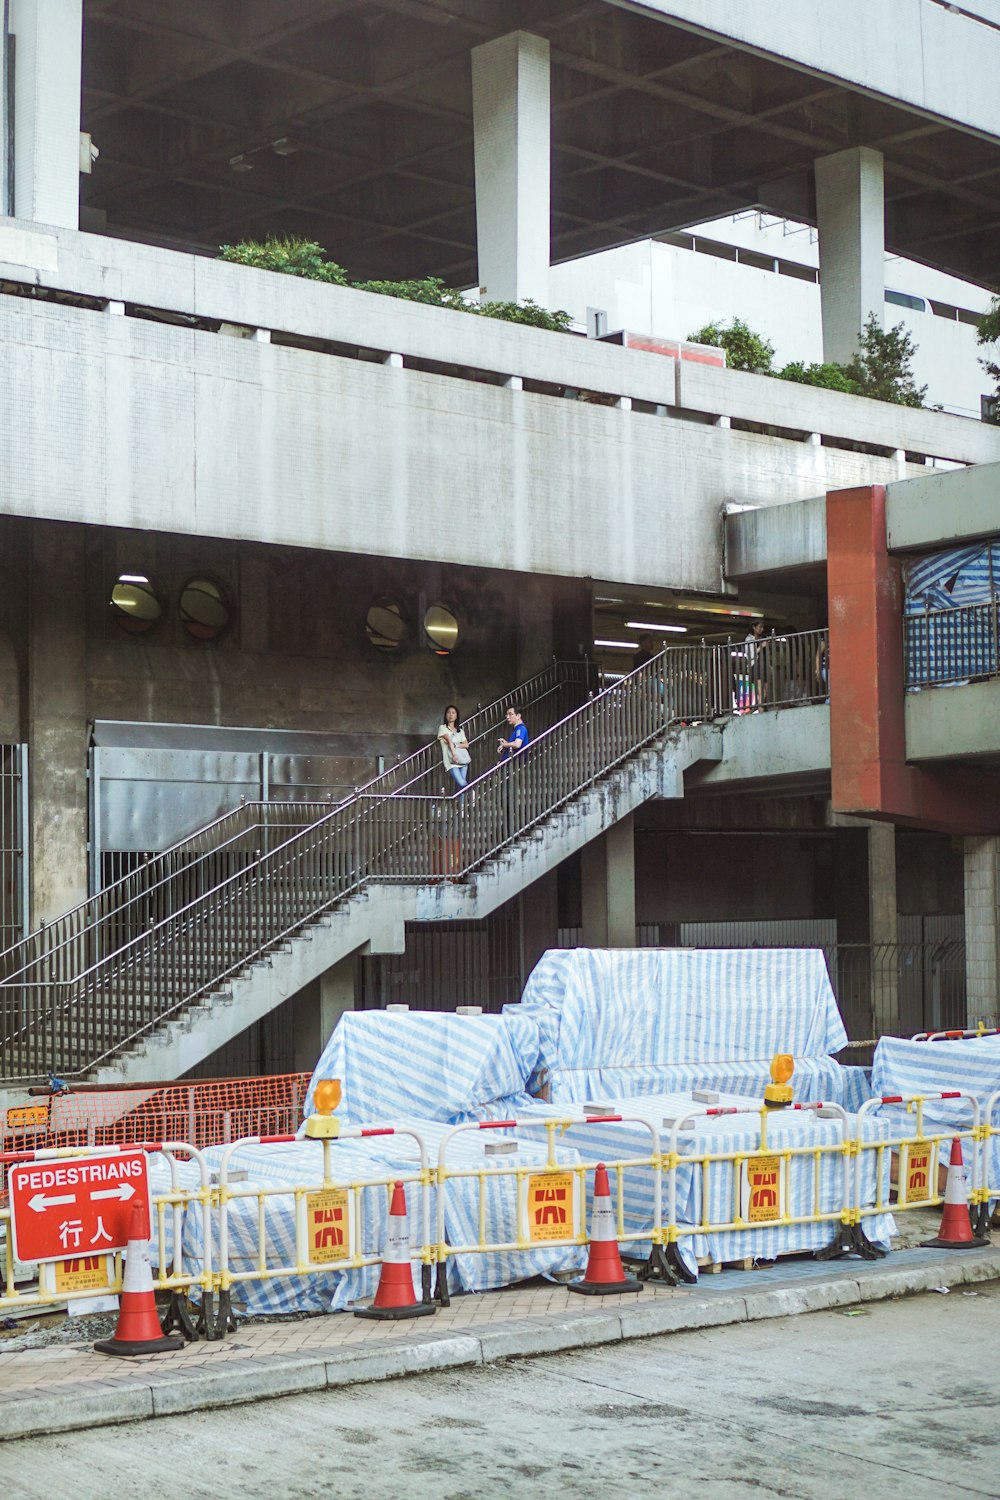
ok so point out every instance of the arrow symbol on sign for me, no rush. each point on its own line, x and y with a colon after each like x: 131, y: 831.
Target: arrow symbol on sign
x: 40, y: 1203
x: 124, y: 1191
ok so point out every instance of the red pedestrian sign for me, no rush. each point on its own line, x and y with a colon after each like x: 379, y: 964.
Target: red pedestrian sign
x: 77, y: 1206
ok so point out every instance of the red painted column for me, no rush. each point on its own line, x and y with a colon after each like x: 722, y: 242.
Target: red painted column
x: 869, y: 774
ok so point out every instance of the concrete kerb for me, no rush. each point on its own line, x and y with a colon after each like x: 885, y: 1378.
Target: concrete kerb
x: 257, y: 1378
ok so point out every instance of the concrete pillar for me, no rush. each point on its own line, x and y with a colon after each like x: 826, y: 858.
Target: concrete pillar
x: 982, y: 928
x: 510, y: 103
x: 319, y: 1007
x: 608, y: 894
x: 882, y: 925
x: 850, y: 211
x: 539, y: 911
x: 46, y: 110
x: 57, y: 720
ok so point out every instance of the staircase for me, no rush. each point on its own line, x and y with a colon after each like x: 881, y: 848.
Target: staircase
x: 154, y: 973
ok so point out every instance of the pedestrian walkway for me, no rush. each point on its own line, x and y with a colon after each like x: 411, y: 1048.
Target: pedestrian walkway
x: 59, y: 1387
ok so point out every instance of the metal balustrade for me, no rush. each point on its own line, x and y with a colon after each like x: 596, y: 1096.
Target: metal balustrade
x: 144, y: 950
x: 952, y: 645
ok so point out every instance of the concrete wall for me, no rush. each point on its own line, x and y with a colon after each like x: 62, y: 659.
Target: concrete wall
x: 145, y: 425
x: 955, y: 723
x: 936, y: 510
x: 937, y: 57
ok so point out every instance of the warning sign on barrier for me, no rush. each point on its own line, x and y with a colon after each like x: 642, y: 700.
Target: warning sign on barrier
x: 91, y: 1273
x: 28, y: 1117
x: 920, y: 1162
x: 762, y: 1190
x: 551, y: 1207
x: 328, y: 1224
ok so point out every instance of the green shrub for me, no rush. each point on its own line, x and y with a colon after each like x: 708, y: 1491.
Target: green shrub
x: 882, y: 367
x: 293, y: 257
x: 745, y: 350
x: 830, y: 376
x: 526, y: 312
x: 431, y: 290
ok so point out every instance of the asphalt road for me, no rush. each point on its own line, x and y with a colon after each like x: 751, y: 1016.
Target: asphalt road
x: 902, y: 1400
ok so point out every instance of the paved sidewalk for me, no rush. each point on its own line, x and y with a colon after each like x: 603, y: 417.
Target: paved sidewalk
x: 60, y: 1387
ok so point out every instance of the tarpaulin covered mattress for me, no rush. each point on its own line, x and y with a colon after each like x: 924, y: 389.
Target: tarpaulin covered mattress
x: 301, y: 1164
x: 625, y: 1021
x: 971, y: 1064
x: 731, y: 1133
x: 428, y: 1065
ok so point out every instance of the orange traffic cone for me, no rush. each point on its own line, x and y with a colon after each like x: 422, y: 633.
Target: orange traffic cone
x: 604, y: 1274
x: 394, y: 1298
x: 138, y: 1330
x: 956, y: 1224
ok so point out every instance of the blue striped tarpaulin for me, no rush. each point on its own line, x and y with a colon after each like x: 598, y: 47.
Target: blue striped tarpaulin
x: 731, y: 1133
x: 673, y: 1018
x: 428, y: 1065
x: 906, y: 1067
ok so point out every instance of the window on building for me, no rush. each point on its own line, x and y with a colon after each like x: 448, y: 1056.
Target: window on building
x: 385, y: 624
x: 440, y: 629
x: 906, y: 299
x: 137, y: 603
x: 205, y: 610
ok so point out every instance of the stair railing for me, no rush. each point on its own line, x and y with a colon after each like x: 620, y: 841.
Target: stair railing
x: 179, y: 951
x: 169, y: 880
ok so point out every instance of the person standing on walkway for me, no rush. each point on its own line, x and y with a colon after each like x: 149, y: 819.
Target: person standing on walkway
x: 454, y: 747
x: 754, y: 649
x: 519, y: 735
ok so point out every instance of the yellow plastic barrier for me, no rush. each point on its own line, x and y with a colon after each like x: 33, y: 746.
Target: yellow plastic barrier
x: 756, y: 1185
x: 918, y: 1153
x: 328, y: 1229
x: 551, y: 1199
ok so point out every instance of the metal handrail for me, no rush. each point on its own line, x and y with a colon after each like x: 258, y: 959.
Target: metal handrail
x: 952, y: 645
x: 252, y: 823
x: 140, y: 965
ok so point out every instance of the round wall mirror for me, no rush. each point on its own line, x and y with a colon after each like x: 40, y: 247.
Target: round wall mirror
x: 441, y: 629
x: 386, y: 624
x: 136, y: 603
x: 204, y: 609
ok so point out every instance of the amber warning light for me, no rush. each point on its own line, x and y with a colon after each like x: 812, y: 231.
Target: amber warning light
x: 322, y: 1123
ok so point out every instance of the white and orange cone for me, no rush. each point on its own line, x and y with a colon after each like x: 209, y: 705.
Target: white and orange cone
x: 138, y: 1330
x: 604, y: 1275
x: 956, y: 1224
x: 395, y: 1298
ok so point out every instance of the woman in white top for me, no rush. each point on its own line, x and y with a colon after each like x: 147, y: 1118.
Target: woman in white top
x: 454, y: 747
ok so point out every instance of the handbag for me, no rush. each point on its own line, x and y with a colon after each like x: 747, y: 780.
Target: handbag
x: 461, y: 756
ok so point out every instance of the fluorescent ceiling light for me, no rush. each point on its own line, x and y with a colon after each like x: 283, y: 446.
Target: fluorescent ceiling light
x: 619, y: 645
x: 613, y: 676
x: 132, y: 578
x: 605, y: 599
x: 661, y: 628
x: 241, y: 163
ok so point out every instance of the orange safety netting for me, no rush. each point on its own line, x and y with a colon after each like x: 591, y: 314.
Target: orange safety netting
x: 199, y: 1113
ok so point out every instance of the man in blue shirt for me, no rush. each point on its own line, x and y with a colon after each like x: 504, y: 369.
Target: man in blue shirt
x: 519, y: 735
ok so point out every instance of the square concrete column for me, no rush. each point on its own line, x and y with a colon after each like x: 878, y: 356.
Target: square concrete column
x: 850, y: 211
x: 883, y: 925
x: 46, y: 110
x: 510, y: 104
x: 608, y: 894
x: 318, y: 1008
x: 57, y: 720
x: 982, y: 927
